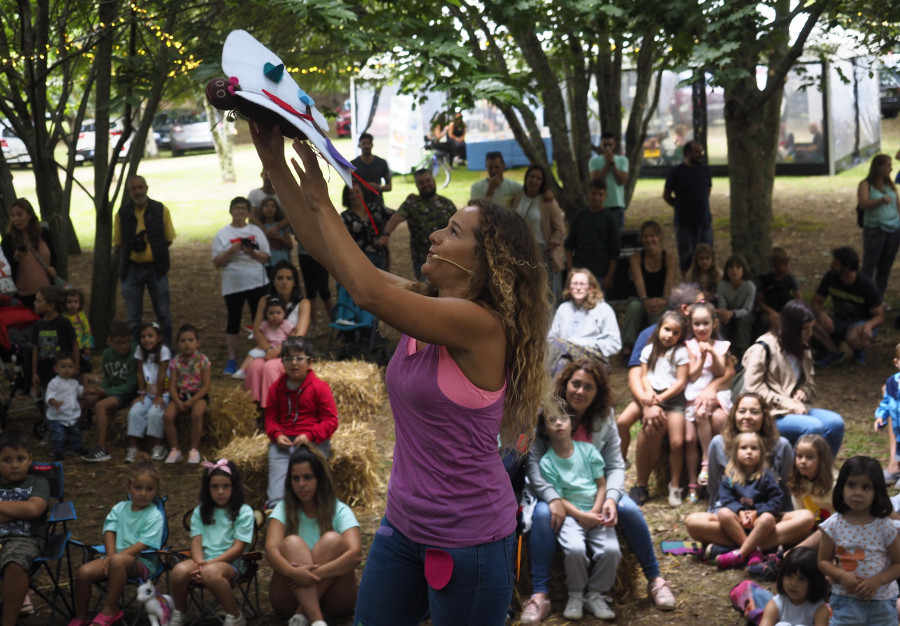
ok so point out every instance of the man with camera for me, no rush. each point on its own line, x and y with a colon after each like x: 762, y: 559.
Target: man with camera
x: 142, y: 234
x: 613, y: 168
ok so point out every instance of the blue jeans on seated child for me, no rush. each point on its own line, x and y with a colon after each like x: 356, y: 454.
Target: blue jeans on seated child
x: 853, y: 611
x: 816, y: 422
x: 393, y: 590
x: 60, y: 433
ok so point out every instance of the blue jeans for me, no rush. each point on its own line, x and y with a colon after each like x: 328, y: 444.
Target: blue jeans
x: 852, y: 611
x: 687, y: 238
x: 393, y: 590
x: 136, y: 278
x: 59, y: 433
x: 879, y: 251
x: 816, y: 422
x: 542, y: 542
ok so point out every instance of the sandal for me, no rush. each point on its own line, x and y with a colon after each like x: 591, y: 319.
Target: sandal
x: 703, y: 479
x: 27, y: 605
x: 107, y: 620
x: 693, y: 495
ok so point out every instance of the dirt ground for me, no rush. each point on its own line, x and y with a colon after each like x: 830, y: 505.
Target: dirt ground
x: 807, y: 224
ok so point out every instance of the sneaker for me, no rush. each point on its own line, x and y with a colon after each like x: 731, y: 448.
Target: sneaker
x: 234, y: 620
x: 176, y: 618
x: 859, y: 357
x: 319, y: 622
x: 766, y: 569
x: 675, y: 496
x: 158, y: 453
x: 662, y: 596
x: 239, y: 375
x: 639, y: 494
x: 755, y: 557
x: 193, y: 456
x: 298, y: 620
x: 703, y: 478
x: 713, y: 551
x: 130, y: 454
x: 534, y: 611
x: 99, y: 455
x: 174, y: 456
x: 832, y: 357
x: 596, y: 604
x: 730, y: 560
x: 230, y: 367
x: 575, y: 606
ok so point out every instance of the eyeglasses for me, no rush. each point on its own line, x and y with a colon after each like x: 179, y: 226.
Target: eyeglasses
x: 294, y: 359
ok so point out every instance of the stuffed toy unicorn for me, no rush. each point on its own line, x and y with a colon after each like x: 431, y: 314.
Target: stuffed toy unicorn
x: 158, y: 605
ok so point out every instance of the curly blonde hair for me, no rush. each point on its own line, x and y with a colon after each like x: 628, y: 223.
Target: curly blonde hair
x: 511, y: 281
x: 595, y: 295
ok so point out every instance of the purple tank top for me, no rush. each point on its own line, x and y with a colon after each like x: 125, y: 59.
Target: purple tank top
x: 448, y: 486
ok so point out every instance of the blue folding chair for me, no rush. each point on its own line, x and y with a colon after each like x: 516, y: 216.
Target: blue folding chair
x: 356, y: 327
x: 156, y: 558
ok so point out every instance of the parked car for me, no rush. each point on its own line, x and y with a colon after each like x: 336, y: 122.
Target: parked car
x: 889, y: 85
x: 191, y: 131
x: 85, y: 145
x: 162, y: 127
x: 14, y: 151
x: 342, y: 126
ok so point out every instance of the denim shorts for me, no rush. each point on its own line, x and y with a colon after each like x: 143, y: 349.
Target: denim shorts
x: 853, y: 611
x: 394, y: 590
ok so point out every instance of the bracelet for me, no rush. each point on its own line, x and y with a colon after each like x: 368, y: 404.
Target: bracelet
x: 643, y: 298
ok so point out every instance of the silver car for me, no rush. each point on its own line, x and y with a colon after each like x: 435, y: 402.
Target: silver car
x: 14, y: 151
x: 191, y: 131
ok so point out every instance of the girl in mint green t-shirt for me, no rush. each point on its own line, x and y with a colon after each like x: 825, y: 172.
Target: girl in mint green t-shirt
x: 313, y: 544
x: 221, y: 530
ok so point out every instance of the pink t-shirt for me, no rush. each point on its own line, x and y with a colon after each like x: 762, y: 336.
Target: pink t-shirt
x: 276, y: 336
x: 693, y: 389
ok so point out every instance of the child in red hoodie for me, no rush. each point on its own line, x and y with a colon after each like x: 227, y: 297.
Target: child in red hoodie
x: 301, y: 410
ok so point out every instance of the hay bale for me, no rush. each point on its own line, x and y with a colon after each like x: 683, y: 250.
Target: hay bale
x: 231, y: 413
x: 251, y: 455
x: 353, y: 465
x: 357, y: 386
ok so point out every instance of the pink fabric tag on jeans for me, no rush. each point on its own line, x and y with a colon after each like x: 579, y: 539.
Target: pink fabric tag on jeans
x: 438, y: 567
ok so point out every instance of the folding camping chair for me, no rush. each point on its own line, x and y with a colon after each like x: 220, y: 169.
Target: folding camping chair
x: 246, y: 583
x: 356, y: 327
x: 156, y: 558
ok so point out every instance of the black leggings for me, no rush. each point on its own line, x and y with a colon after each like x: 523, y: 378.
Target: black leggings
x: 234, y: 304
x: 315, y: 278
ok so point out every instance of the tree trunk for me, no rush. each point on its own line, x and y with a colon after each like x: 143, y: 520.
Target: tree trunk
x: 641, y: 112
x: 222, y: 137
x: 752, y: 129
x: 7, y: 193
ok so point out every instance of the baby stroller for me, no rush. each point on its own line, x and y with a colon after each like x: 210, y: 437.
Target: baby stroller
x: 15, y: 359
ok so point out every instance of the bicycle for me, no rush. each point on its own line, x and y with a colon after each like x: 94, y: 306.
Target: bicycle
x: 438, y: 161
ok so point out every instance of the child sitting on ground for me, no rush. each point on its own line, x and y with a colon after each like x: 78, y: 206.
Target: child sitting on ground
x: 888, y: 414
x: 189, y: 381
x: 52, y: 334
x: 812, y: 477
x: 24, y: 499
x: 750, y: 497
x: 301, y: 410
x: 776, y: 288
x: 145, y: 417
x: 575, y: 469
x: 275, y: 328
x: 75, y: 314
x: 802, y: 590
x: 115, y: 390
x: 63, y: 409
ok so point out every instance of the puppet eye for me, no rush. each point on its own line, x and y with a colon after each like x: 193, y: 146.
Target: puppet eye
x: 220, y: 93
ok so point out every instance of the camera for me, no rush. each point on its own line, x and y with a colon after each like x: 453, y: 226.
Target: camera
x: 140, y: 242
x: 246, y: 242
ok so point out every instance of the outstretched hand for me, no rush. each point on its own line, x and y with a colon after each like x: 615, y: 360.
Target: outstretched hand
x: 312, y: 182
x: 269, y: 144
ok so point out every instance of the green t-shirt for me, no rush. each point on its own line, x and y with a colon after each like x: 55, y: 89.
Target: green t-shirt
x: 119, y: 372
x: 575, y: 478
x: 615, y: 193
x: 219, y: 536
x: 131, y: 527
x: 308, y: 528
x: 31, y: 487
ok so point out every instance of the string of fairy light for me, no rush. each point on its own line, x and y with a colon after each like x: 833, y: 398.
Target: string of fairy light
x: 184, y: 63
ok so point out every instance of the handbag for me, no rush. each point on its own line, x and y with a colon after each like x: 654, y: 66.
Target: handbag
x: 57, y: 280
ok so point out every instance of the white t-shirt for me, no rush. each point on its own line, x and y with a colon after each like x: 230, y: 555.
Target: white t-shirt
x: 151, y: 367
x: 67, y: 391
x: 242, y: 273
x: 663, y: 374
